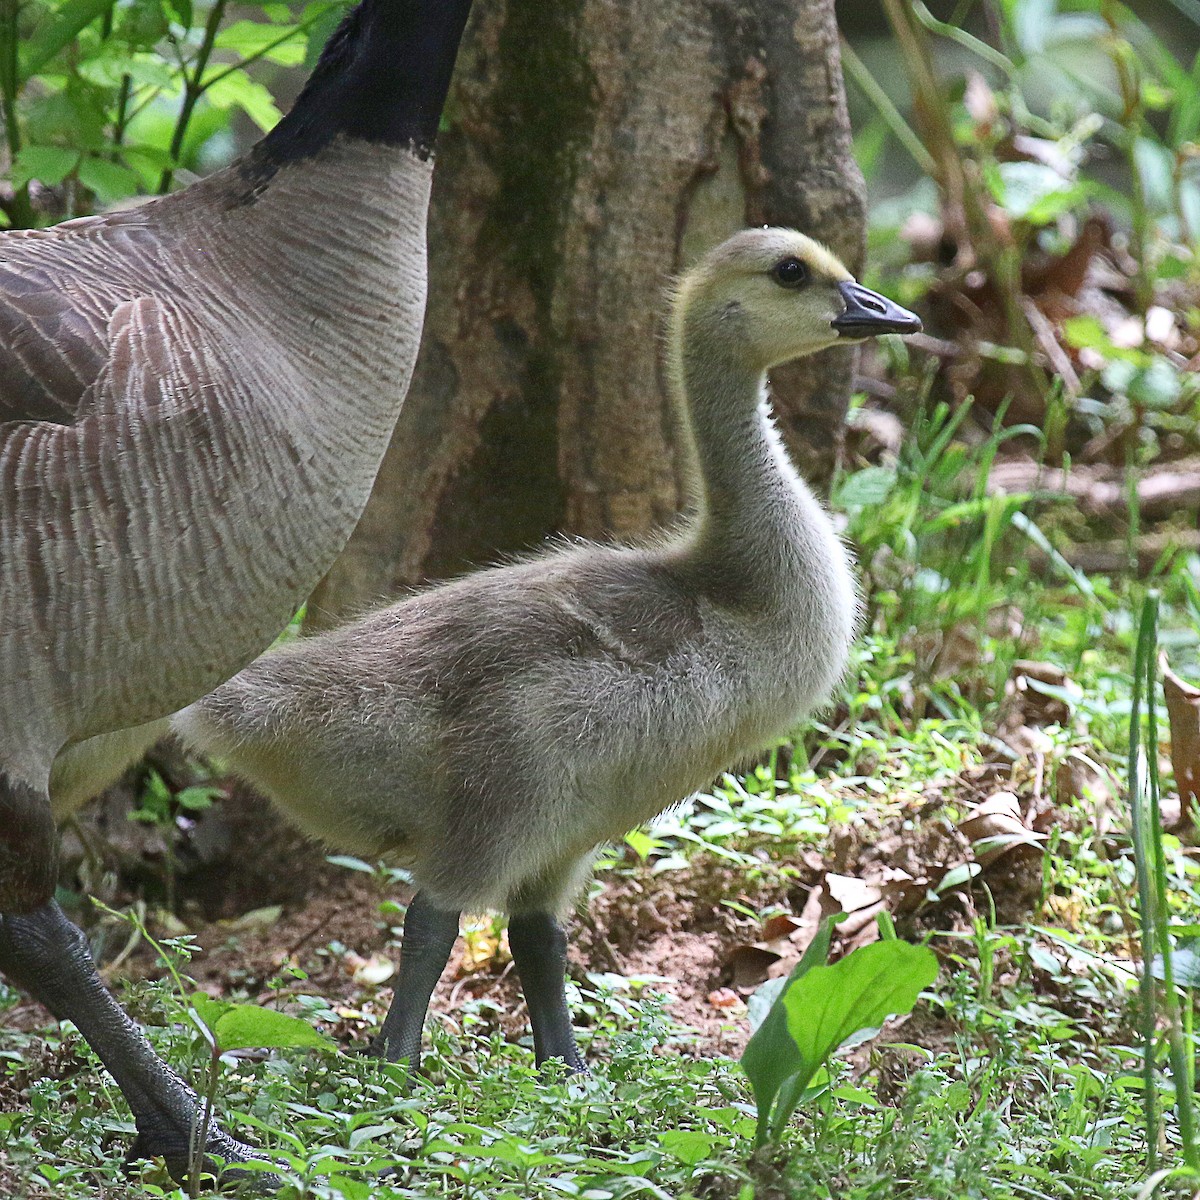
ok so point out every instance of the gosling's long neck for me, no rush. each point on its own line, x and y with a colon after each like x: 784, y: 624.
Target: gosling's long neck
x: 753, y: 519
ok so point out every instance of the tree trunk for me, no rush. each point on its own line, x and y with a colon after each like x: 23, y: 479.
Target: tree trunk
x: 594, y: 148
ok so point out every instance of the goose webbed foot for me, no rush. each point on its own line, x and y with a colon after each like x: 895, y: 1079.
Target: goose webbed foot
x: 429, y: 936
x: 539, y: 950
x: 170, y: 1142
x: 45, y: 954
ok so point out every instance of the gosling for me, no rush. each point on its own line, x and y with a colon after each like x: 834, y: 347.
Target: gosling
x: 491, y: 733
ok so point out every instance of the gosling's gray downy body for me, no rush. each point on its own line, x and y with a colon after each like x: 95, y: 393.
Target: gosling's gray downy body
x: 195, y: 396
x: 492, y: 732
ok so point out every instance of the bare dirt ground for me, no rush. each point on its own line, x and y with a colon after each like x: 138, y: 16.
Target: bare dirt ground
x: 264, y: 905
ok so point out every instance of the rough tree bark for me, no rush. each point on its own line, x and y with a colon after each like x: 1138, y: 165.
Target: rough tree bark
x: 594, y: 148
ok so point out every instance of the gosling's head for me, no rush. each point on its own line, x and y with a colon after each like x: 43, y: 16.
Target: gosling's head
x: 773, y: 294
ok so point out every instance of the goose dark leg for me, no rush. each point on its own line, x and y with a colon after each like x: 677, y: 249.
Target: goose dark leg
x: 42, y: 952
x: 429, y: 936
x: 539, y: 949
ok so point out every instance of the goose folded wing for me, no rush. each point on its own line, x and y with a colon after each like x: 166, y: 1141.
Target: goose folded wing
x: 65, y: 360
x: 155, y: 395
x: 53, y: 346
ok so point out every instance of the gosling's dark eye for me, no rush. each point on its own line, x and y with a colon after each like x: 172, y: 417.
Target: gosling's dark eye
x: 790, y: 273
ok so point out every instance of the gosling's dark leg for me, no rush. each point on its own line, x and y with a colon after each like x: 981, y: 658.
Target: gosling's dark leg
x: 539, y: 949
x: 429, y: 936
x: 42, y: 952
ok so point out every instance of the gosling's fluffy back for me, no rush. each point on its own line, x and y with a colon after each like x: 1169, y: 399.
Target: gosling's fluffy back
x: 491, y: 732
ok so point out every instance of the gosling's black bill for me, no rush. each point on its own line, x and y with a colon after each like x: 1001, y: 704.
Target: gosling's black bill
x: 868, y: 314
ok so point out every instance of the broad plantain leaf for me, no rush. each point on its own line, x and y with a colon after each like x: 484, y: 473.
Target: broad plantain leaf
x: 821, y: 1007
x: 771, y: 1056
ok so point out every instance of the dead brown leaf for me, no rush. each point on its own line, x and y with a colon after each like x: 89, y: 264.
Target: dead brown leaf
x: 996, y: 826
x: 727, y: 1000
x: 1026, y: 692
x: 852, y: 893
x: 1079, y: 777
x: 781, y: 925
x: 373, y: 970
x: 1183, y: 711
x: 860, y: 928
x: 750, y: 964
x: 785, y: 938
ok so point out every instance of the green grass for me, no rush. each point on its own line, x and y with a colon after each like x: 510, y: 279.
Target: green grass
x: 1026, y: 1088
x: 1021, y: 1099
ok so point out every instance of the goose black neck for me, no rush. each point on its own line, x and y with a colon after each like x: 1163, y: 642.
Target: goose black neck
x: 383, y: 77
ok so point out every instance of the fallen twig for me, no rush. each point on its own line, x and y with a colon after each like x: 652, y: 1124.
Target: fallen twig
x: 1102, y: 490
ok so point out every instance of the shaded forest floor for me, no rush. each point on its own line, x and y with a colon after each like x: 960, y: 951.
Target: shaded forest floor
x: 1000, y: 840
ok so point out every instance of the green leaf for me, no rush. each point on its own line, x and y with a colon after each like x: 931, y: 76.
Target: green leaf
x: 209, y: 1011
x: 1157, y: 386
x: 237, y: 89
x: 182, y: 10
x: 50, y: 164
x: 251, y: 39
x: 1155, y: 164
x: 112, y: 182
x: 1030, y: 22
x: 957, y: 876
x: 866, y: 488
x: 849, y: 1094
x: 771, y: 1056
x: 1086, y: 331
x: 690, y: 1146
x: 109, y: 66
x: 641, y: 843
x: 819, y: 1010
x: 53, y: 35
x: 143, y: 23
x: 320, y: 30
x: 246, y: 1026
x: 350, y: 863
x: 70, y: 117
x: 829, y: 1004
x: 1034, y: 191
x: 199, y: 797
x: 1185, y: 964
x: 350, y: 1188
x: 250, y: 1026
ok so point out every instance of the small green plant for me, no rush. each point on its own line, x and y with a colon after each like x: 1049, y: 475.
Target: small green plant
x: 102, y: 101
x: 818, y: 1009
x: 159, y: 806
x: 1156, y: 934
x: 226, y: 1027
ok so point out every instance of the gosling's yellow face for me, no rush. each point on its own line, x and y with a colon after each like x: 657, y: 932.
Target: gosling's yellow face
x: 784, y: 296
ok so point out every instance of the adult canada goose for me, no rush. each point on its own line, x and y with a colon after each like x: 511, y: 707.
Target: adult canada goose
x: 196, y: 394
x: 490, y: 733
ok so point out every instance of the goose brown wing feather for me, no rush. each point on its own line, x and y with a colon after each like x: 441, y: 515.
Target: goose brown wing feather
x: 51, y: 350
x: 88, y: 508
x: 59, y: 291
x: 155, y: 377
